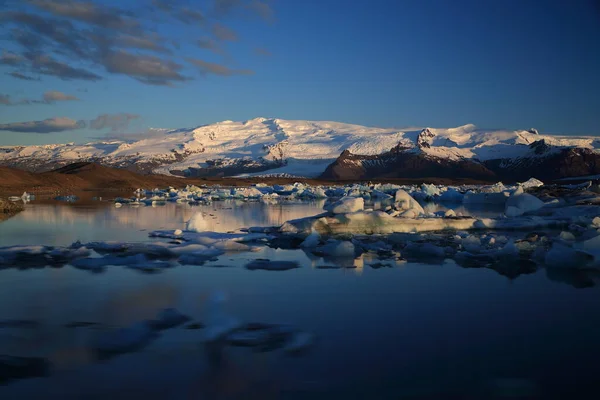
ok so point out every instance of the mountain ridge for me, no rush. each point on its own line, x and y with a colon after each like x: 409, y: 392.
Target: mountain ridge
x: 308, y: 148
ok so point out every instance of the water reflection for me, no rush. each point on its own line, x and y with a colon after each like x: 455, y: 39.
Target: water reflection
x: 385, y: 330
x: 60, y: 224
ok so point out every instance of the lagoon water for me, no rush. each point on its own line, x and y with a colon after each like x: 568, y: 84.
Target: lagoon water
x: 414, y: 331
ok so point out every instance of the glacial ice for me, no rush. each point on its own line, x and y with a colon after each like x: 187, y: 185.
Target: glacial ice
x: 405, y: 202
x: 346, y: 205
x: 520, y: 203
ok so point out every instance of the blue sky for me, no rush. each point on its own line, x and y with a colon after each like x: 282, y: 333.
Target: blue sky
x: 498, y: 64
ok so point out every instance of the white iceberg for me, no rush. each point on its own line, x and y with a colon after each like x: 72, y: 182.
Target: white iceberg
x: 346, y: 205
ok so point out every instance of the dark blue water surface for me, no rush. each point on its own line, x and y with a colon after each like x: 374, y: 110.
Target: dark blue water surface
x: 414, y: 331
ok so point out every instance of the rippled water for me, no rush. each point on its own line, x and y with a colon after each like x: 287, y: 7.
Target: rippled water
x: 415, y: 331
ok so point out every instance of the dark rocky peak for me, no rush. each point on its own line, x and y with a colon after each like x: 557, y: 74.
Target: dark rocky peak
x: 540, y: 146
x: 425, y: 138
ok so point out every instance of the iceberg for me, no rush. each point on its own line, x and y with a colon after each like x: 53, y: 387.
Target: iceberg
x: 346, y: 205
x: 520, y: 203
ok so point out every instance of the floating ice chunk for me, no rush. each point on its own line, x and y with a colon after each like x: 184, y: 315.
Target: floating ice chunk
x: 471, y: 243
x: 178, y: 232
x: 520, y: 203
x: 336, y: 248
x: 197, y: 223
x: 509, y: 250
x: 405, y: 202
x: 346, y: 205
x: 124, y: 340
x: 231, y: 245
x: 451, y: 195
x: 200, y: 257
x: 316, y: 192
x: 485, y: 198
x: 567, y: 236
x: 596, y: 222
x: 532, y: 183
x: 429, y: 191
x: 249, y: 192
x: 118, y: 205
x: 561, y: 256
x: 269, y: 265
x: 449, y: 214
x: 376, y: 194
x: 495, y: 188
x: 413, y: 213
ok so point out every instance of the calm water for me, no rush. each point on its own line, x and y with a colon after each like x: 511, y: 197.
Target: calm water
x: 416, y: 331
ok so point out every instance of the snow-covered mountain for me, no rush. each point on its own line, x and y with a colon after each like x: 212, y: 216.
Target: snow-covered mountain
x: 265, y: 146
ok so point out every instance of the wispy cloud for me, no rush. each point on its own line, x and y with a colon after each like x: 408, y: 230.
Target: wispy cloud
x: 222, y: 32
x: 49, y: 97
x: 212, y: 45
x: 18, y: 75
x: 114, y: 122
x: 145, y: 68
x: 50, y: 125
x: 206, y: 67
x: 89, y: 40
x: 54, y: 96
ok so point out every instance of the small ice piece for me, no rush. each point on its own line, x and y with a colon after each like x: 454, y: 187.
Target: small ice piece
x: 249, y: 192
x: 376, y: 194
x: 118, y: 205
x: 268, y: 265
x: 231, y: 245
x: 520, y: 203
x: 562, y: 256
x: 449, y: 214
x: 532, y: 183
x: 200, y: 257
x: 346, y: 205
x: 405, y: 202
x: 451, y: 195
x: 472, y: 244
x: 335, y: 248
x: 299, y: 342
x: 169, y: 318
x: 567, y: 236
x: 178, y: 232
x: 124, y: 340
x: 429, y: 191
x: 596, y: 222
x: 509, y: 250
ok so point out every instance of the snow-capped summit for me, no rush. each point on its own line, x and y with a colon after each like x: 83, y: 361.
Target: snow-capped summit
x: 294, y: 147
